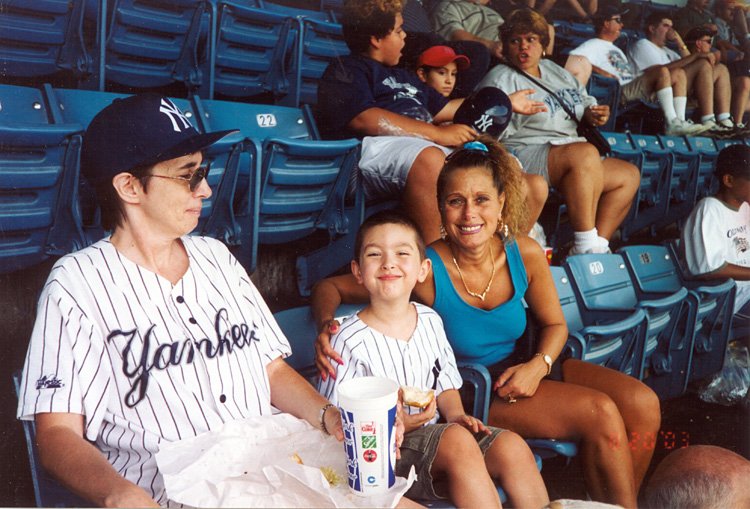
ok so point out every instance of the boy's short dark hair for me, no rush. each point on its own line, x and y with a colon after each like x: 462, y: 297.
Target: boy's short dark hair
x: 388, y: 216
x: 655, y: 18
x: 733, y: 160
x: 362, y: 19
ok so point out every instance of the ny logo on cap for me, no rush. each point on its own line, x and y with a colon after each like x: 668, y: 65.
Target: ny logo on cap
x: 483, y: 122
x: 173, y: 112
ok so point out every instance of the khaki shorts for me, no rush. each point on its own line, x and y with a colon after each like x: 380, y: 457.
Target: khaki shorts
x: 636, y: 90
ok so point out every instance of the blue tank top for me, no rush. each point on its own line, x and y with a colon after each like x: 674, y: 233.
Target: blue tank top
x: 476, y: 335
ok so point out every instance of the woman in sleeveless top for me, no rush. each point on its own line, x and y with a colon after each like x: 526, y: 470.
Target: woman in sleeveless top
x: 480, y: 272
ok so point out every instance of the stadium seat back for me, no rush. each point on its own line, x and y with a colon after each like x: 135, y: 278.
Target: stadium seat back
x: 683, y: 187
x: 42, y: 37
x: 253, y: 51
x: 707, y: 184
x: 606, y: 91
x: 154, y: 43
x: 39, y: 216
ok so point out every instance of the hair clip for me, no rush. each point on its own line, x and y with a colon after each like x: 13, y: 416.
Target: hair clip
x: 476, y: 145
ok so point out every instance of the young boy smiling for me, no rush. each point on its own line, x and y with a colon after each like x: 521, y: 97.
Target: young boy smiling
x: 404, y: 341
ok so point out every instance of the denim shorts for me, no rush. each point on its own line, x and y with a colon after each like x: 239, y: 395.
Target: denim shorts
x: 420, y: 448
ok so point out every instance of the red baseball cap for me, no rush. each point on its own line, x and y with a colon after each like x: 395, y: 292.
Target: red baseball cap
x: 440, y: 56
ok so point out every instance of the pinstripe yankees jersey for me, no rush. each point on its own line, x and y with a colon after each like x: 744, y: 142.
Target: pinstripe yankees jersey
x: 144, y: 360
x: 425, y: 361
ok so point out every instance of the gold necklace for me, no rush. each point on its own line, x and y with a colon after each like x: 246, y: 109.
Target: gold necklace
x: 492, y: 276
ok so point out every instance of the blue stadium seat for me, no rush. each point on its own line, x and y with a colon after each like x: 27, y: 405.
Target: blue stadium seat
x: 619, y: 344
x: 605, y: 287
x: 303, y: 189
x: 706, y: 147
x: 606, y: 91
x: 47, y: 491
x: 155, y: 43
x: 652, y: 199
x: 42, y: 37
x: 683, y: 187
x: 320, y: 43
x: 715, y: 325
x: 252, y: 51
x: 39, y: 216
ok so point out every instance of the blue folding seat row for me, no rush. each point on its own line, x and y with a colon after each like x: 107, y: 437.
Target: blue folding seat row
x: 634, y: 312
x: 676, y: 172
x: 273, y: 182
x: 235, y: 48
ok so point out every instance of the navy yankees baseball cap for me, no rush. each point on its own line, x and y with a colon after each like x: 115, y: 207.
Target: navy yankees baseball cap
x: 139, y: 130
x: 488, y: 110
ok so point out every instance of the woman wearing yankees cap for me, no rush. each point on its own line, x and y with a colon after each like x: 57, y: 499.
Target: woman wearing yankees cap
x: 150, y: 335
x: 482, y: 268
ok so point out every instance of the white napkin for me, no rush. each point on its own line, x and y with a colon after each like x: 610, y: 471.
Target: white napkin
x: 247, y: 464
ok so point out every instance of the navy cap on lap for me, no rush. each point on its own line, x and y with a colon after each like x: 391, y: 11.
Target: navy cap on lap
x: 488, y: 110
x: 139, y: 130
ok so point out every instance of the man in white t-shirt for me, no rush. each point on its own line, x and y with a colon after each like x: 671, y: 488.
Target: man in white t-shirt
x: 657, y: 84
x: 716, y: 237
x: 707, y: 81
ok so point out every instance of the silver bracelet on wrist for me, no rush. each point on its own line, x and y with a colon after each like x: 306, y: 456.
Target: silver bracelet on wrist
x: 321, y: 418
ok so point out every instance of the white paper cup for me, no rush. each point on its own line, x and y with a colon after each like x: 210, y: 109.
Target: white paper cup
x: 368, y: 413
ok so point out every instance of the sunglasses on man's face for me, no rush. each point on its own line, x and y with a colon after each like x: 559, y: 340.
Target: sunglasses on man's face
x: 193, y: 179
x: 617, y: 19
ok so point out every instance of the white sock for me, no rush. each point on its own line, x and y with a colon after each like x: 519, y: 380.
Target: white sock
x: 706, y: 118
x: 586, y: 240
x: 604, y: 244
x: 666, y: 103
x: 680, y: 106
x: 722, y: 116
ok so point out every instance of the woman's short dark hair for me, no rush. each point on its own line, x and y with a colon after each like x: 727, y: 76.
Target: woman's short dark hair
x: 111, y: 208
x: 523, y: 21
x: 388, y: 216
x: 362, y: 19
x: 506, y: 173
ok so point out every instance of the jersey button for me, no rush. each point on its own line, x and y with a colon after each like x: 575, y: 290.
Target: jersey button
x: 223, y: 398
x: 192, y: 320
x: 179, y: 299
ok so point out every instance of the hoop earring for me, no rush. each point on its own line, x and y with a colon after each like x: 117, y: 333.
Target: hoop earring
x: 442, y: 232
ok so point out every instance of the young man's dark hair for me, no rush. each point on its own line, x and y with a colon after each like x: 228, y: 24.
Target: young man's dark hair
x: 362, y: 19
x: 654, y: 19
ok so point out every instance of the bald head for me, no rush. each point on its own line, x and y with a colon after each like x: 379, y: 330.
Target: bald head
x: 700, y: 477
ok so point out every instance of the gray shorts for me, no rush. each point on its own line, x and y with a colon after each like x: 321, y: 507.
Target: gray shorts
x: 534, y: 158
x: 385, y: 163
x: 420, y: 448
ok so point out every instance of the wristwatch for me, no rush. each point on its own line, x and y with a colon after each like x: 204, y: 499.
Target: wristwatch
x: 547, y: 360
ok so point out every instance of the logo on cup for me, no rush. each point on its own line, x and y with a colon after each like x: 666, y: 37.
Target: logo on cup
x: 371, y: 479
x: 370, y: 455
x: 367, y: 427
x: 369, y: 442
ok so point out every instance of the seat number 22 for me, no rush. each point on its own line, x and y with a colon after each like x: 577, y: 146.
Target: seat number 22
x: 266, y: 120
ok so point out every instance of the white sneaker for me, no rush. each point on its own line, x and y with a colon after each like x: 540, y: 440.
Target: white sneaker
x: 594, y: 250
x: 726, y: 123
x: 684, y: 128
x: 718, y: 131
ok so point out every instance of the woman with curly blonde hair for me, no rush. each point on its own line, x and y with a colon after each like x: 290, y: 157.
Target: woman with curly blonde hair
x: 483, y: 268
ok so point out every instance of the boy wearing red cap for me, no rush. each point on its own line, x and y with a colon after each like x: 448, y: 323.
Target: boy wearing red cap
x: 438, y: 67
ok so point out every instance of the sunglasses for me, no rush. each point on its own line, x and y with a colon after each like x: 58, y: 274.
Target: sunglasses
x: 194, y: 179
x: 710, y: 40
x: 618, y: 19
